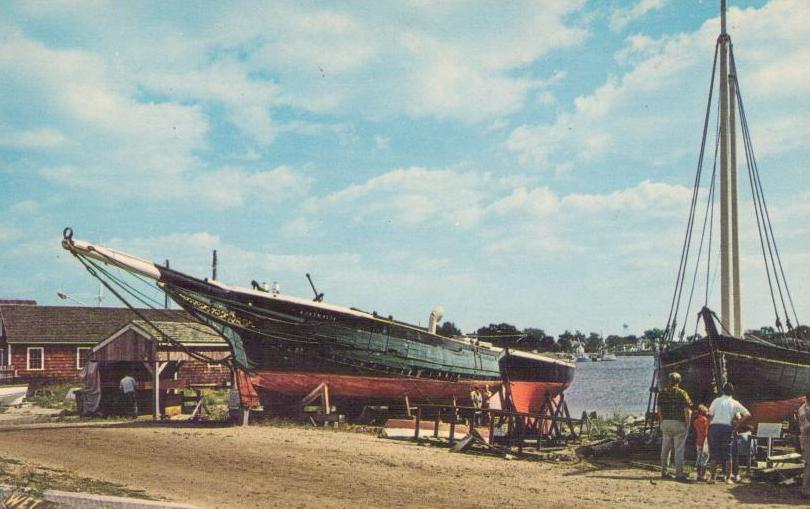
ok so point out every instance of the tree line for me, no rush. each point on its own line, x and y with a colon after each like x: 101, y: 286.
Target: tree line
x: 506, y: 335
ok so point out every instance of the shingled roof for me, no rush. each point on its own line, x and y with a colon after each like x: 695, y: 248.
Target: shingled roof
x: 182, y: 332
x: 73, y: 324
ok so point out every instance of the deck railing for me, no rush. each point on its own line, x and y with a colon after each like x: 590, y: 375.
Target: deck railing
x: 7, y: 372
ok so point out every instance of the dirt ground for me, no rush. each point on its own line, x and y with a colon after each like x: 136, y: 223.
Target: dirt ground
x: 268, y: 466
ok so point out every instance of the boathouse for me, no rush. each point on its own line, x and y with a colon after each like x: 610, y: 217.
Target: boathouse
x: 164, y: 357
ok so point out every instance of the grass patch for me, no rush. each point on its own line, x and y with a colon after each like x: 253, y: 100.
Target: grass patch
x: 39, y: 479
x: 343, y: 427
x: 53, y: 396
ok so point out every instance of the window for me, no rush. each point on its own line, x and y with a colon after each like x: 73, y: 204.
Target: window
x: 35, y: 358
x: 82, y: 356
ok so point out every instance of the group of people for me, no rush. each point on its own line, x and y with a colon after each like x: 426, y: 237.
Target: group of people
x: 721, y: 433
x: 480, y: 399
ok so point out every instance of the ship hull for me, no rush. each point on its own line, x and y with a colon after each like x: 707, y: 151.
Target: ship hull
x: 289, y: 349
x: 769, y: 380
x: 287, y: 345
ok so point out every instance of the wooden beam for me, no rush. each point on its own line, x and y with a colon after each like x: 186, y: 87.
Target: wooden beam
x: 156, y: 388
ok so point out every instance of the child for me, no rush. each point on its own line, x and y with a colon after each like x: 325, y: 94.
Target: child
x: 701, y: 425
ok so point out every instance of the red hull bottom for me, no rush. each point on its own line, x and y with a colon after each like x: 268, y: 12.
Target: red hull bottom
x: 369, y: 387
x: 527, y: 396
x: 530, y: 396
x: 774, y: 411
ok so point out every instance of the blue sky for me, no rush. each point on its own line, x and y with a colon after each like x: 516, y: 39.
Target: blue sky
x: 529, y: 164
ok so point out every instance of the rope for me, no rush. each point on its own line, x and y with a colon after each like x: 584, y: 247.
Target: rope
x: 676, y: 297
x: 706, y: 216
x: 758, y: 199
x: 91, y: 268
x: 766, y: 217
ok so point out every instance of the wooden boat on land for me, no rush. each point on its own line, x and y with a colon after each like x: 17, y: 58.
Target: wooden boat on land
x: 12, y: 394
x: 288, y: 346
x: 770, y: 372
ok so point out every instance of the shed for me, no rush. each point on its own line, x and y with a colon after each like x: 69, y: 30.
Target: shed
x: 50, y: 344
x: 160, y: 366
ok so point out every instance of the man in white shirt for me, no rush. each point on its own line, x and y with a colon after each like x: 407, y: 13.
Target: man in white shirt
x: 129, y: 402
x: 723, y: 412
x: 803, y: 415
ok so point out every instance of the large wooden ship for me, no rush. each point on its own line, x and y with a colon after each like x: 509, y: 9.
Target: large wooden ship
x: 771, y: 372
x: 287, y: 346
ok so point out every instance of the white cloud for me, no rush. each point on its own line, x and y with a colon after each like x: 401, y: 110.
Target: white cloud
x: 652, y: 198
x: 377, y: 60
x: 623, y: 17
x: 42, y: 138
x: 639, y: 117
x: 416, y: 195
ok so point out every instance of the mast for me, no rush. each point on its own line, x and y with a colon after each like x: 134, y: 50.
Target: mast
x: 735, y: 238
x: 725, y: 274
x: 729, y: 244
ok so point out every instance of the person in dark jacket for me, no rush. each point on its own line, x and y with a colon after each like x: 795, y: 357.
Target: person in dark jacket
x: 674, y: 414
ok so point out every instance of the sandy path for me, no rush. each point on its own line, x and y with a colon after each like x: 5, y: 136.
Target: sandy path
x: 293, y: 467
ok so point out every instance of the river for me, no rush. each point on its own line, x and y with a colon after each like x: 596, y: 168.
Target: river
x: 622, y: 385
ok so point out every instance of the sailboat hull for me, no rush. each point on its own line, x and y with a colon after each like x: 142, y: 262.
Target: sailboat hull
x: 769, y: 380
x: 290, y: 348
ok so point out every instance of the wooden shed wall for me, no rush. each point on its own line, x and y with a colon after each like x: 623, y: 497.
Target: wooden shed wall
x: 129, y: 346
x: 60, y: 363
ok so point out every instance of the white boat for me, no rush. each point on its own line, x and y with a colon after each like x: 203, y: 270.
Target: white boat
x: 608, y: 356
x: 11, y: 395
x: 581, y: 356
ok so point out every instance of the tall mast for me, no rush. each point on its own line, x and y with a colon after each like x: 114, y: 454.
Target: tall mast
x: 735, y: 238
x: 729, y: 258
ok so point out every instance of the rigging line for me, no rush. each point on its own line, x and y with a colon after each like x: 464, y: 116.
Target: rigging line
x: 744, y: 119
x: 770, y: 240
x: 123, y: 284
x: 712, y: 195
x: 193, y: 355
x: 131, y: 291
x: 757, y: 207
x: 675, y: 305
x: 706, y: 217
x: 120, y: 281
x: 757, y: 213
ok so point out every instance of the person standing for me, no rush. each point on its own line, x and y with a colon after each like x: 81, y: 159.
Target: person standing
x: 723, y: 414
x: 701, y: 426
x: 128, y: 385
x: 477, y: 402
x: 674, y: 414
x: 804, y: 440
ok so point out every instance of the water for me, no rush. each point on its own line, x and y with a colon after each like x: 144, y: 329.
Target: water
x: 622, y: 385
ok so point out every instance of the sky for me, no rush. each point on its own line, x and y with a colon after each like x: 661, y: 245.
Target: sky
x: 521, y: 162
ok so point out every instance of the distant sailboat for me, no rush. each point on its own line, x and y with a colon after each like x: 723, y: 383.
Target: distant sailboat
x: 580, y: 353
x: 770, y: 373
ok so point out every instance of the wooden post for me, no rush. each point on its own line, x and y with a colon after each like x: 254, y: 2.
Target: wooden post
x: 491, y: 429
x: 453, y: 425
x: 155, y: 380
x: 156, y: 390
x: 327, y: 405
x: 438, y: 420
x: 408, y: 406
x: 418, y: 423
